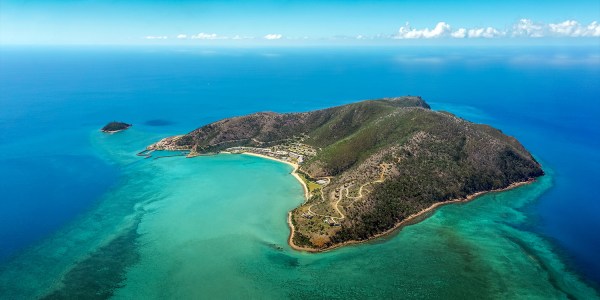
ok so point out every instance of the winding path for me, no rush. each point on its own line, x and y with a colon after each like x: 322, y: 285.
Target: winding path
x: 384, y: 168
x: 380, y: 180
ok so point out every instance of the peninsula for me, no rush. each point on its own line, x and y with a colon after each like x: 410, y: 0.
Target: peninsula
x: 115, y: 126
x: 372, y: 166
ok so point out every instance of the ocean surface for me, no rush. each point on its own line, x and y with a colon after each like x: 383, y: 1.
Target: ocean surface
x: 82, y: 216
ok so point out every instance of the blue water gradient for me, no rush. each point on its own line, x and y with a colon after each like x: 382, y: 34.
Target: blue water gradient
x: 53, y: 99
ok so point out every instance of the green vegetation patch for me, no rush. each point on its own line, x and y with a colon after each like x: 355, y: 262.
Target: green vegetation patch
x: 115, y: 126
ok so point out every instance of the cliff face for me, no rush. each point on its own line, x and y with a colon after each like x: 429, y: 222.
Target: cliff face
x: 382, y: 160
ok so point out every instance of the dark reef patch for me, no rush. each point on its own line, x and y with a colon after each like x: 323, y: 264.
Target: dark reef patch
x: 97, y: 276
x: 283, y: 259
x: 553, y: 278
x: 158, y: 122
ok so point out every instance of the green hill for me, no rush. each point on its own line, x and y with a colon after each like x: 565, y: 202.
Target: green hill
x: 378, y: 161
x: 115, y: 127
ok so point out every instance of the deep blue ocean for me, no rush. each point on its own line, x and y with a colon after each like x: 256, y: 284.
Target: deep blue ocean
x: 52, y: 99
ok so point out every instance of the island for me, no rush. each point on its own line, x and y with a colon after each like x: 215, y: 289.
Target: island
x: 369, y: 167
x: 115, y: 126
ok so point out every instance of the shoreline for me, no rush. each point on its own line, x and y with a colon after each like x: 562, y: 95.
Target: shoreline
x: 289, y: 217
x: 294, y: 173
x: 412, y: 219
x: 113, y: 131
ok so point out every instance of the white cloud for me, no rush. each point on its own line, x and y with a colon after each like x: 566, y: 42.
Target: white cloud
x: 242, y: 37
x: 154, y: 37
x: 527, y: 28
x: 523, y: 28
x: 273, y: 36
x: 204, y: 36
x: 593, y: 29
x: 488, y: 32
x: 343, y: 37
x: 207, y: 36
x: 442, y: 29
x: 461, y: 33
x: 572, y: 28
x: 568, y: 28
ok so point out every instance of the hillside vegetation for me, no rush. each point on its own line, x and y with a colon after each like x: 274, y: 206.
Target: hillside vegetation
x: 115, y: 126
x: 383, y: 161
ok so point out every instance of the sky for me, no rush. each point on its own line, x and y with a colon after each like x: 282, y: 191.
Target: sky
x: 137, y: 22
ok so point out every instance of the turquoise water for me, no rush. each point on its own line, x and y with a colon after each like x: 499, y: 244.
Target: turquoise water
x: 104, y: 222
x: 216, y: 227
